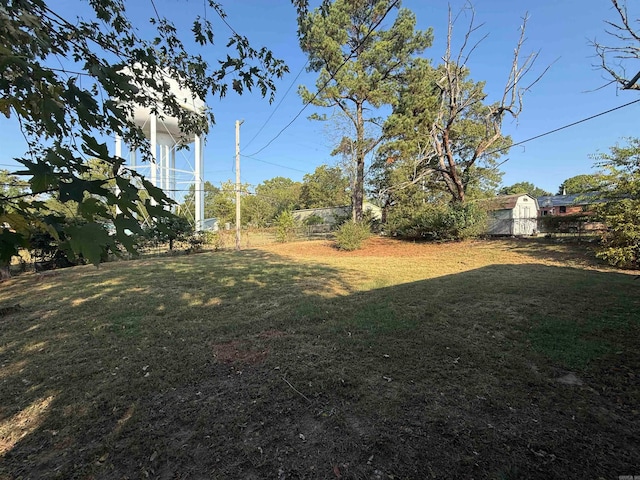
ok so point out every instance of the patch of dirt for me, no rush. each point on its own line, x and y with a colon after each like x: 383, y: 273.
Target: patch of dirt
x: 238, y: 352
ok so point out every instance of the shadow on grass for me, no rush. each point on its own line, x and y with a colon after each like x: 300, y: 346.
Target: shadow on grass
x: 252, y: 366
x: 569, y: 251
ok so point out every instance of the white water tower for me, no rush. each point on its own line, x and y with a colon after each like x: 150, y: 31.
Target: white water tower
x: 173, y: 169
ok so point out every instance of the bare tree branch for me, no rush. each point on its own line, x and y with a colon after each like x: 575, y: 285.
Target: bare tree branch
x: 629, y: 35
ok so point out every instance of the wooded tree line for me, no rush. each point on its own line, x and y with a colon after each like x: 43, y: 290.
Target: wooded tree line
x: 327, y: 186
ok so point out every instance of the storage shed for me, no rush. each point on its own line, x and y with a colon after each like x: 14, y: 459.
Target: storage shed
x: 512, y: 215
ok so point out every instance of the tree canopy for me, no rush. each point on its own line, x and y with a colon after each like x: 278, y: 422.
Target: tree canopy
x: 271, y: 198
x: 621, y: 212
x: 325, y: 187
x: 358, y: 64
x: 523, y: 187
x: 442, y: 124
x: 581, y: 184
x: 71, y: 82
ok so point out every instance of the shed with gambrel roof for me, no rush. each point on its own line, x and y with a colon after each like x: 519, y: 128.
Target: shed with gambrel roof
x: 512, y: 214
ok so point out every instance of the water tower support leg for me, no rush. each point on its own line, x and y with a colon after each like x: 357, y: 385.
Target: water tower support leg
x: 172, y: 172
x: 199, y: 183
x: 154, y: 149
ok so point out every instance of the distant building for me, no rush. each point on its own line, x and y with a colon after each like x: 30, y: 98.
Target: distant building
x: 578, y: 208
x: 330, y: 215
x: 210, y: 224
x: 568, y: 204
x: 512, y: 215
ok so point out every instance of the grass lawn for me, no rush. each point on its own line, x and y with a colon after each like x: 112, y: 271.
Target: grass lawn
x: 398, y: 361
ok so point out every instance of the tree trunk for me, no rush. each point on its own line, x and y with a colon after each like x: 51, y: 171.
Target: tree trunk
x: 358, y: 193
x: 5, y: 273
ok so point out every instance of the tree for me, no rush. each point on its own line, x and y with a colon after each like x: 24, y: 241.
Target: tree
x: 169, y: 230
x: 71, y: 82
x: 281, y: 193
x: 401, y: 205
x: 188, y: 209
x: 11, y: 185
x: 582, y: 184
x: 358, y: 65
x: 271, y: 198
x: 621, y: 210
x: 325, y: 187
x: 523, y: 187
x: 224, y: 202
x: 625, y: 46
x: 441, y: 123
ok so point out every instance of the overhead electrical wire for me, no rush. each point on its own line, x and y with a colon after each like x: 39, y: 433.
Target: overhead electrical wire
x: 272, y: 163
x: 498, y: 150
x: 573, y: 124
x: 278, y: 105
x: 326, y: 83
x: 535, y: 137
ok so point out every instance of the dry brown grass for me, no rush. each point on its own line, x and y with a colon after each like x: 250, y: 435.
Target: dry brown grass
x: 401, y: 360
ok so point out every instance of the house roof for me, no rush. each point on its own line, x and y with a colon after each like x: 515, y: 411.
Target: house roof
x: 365, y: 206
x: 575, y: 199
x: 504, y: 202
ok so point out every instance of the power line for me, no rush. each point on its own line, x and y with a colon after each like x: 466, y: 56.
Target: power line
x: 278, y: 105
x: 332, y: 77
x: 272, y: 163
x: 573, y: 124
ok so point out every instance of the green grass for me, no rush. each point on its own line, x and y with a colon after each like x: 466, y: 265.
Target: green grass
x: 436, y: 360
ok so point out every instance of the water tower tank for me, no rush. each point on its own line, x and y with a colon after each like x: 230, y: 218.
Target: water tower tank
x: 171, y: 169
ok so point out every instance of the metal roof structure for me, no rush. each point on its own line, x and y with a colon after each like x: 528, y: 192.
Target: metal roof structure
x: 575, y: 199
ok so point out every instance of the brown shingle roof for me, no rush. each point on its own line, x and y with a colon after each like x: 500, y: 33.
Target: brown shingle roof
x: 503, y: 202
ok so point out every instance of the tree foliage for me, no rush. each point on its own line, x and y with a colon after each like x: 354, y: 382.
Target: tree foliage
x: 325, y: 187
x: 523, y: 187
x: 11, y: 185
x: 188, y: 209
x: 621, y: 212
x: 442, y: 125
x: 71, y: 81
x: 271, y: 197
x: 582, y: 184
x: 358, y: 64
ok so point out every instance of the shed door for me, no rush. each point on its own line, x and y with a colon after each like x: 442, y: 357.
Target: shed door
x: 525, y: 224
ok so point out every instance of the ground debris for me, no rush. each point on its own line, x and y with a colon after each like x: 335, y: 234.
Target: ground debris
x: 9, y: 309
x: 570, y: 379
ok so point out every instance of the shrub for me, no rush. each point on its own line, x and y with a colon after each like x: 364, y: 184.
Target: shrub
x: 621, y: 243
x: 169, y: 229
x: 441, y: 222
x: 219, y: 239
x: 314, y: 220
x: 285, y: 227
x: 351, y: 235
x: 563, y: 223
x: 196, y: 242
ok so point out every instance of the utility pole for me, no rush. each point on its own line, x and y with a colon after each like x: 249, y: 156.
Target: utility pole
x: 238, y: 123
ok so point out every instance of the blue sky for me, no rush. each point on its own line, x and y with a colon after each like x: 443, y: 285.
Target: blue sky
x: 559, y: 30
